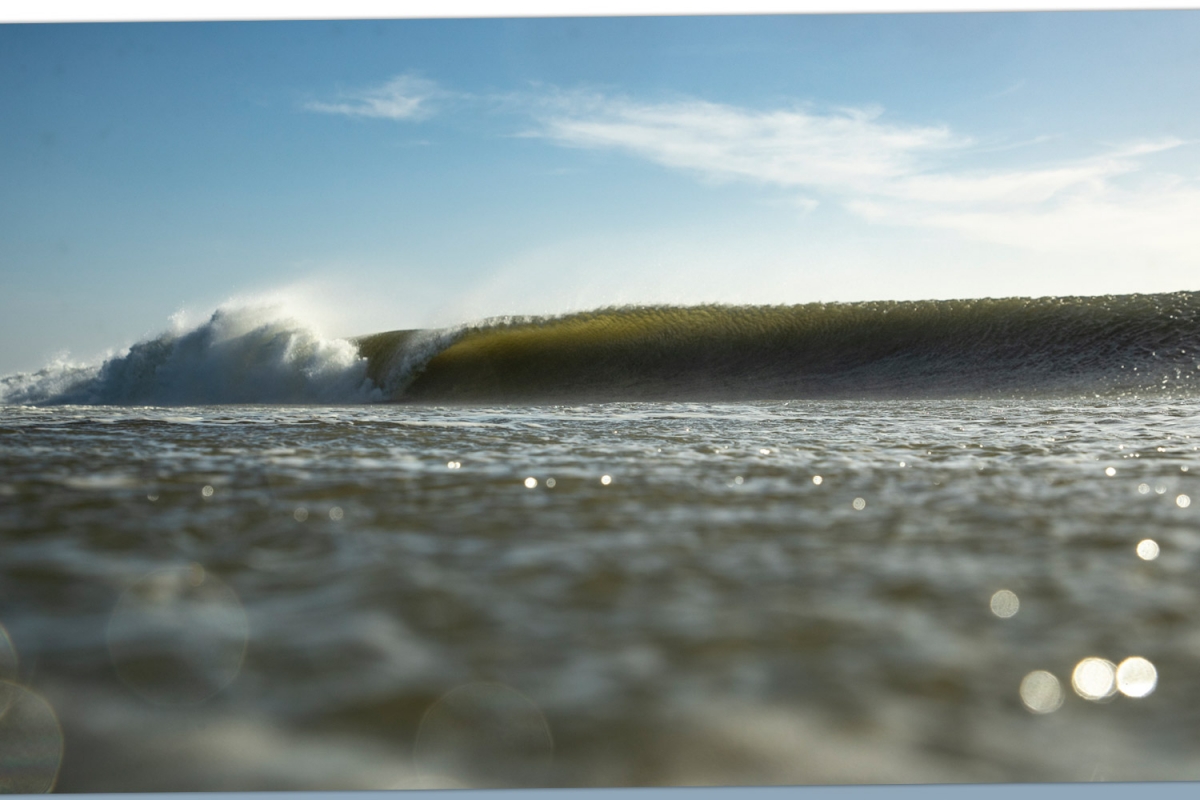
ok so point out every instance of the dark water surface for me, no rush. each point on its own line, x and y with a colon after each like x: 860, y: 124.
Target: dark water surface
x: 283, y: 597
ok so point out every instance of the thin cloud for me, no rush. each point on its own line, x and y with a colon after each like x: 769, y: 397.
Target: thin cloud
x: 891, y: 173
x: 848, y: 150
x: 404, y: 97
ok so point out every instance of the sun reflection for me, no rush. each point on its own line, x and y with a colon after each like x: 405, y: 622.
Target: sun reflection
x: 1094, y: 678
x: 1183, y: 501
x: 1143, y: 488
x: 1005, y: 604
x: 1041, y: 692
x: 818, y: 480
x: 859, y: 504
x: 606, y: 480
x: 531, y: 482
x: 1110, y: 472
x: 1136, y: 677
x: 1147, y: 549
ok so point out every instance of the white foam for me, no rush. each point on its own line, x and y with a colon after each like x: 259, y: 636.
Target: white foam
x: 241, y: 354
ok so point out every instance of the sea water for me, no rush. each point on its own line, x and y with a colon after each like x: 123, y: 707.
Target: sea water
x: 807, y: 591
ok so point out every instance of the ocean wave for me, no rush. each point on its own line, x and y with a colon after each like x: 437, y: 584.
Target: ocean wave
x: 239, y: 355
x: 1112, y: 345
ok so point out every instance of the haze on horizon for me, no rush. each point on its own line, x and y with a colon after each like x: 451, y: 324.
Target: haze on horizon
x: 377, y: 175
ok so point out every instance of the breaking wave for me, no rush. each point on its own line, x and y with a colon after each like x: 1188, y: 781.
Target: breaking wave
x: 1109, y: 346
x: 1113, y: 345
x: 239, y: 355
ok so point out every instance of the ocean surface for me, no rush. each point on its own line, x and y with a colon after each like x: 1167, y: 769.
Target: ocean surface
x: 227, y: 562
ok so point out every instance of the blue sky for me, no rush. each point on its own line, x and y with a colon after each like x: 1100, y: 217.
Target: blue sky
x: 377, y: 175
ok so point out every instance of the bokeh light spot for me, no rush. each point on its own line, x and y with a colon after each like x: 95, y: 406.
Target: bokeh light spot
x: 1136, y: 677
x: 606, y: 480
x: 336, y: 513
x: 1041, y: 692
x: 1147, y: 549
x: 531, y: 483
x: 178, y: 636
x: 31, y: 742
x: 300, y: 514
x: 207, y: 491
x: 859, y: 504
x: 1005, y: 604
x: 1110, y: 472
x: 818, y: 480
x: 483, y: 735
x: 1094, y: 678
x: 1183, y: 501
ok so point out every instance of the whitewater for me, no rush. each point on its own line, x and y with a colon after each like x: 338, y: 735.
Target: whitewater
x: 1113, y: 345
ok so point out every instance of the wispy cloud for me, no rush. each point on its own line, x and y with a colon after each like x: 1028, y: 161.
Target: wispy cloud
x: 846, y: 150
x: 894, y: 173
x: 404, y: 97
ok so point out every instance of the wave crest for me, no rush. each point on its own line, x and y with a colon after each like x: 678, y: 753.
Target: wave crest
x: 239, y: 355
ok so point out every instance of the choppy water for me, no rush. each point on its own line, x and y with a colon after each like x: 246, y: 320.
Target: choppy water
x: 386, y: 596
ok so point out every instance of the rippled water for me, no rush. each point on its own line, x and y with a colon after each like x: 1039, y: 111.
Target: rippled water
x: 379, y: 597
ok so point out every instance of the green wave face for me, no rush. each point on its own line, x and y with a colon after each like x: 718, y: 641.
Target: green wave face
x: 968, y: 348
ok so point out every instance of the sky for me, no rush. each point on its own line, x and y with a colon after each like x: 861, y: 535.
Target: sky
x: 388, y: 174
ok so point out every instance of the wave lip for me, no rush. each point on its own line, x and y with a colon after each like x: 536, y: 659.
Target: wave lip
x: 239, y: 355
x: 1112, y: 345
x: 1015, y: 347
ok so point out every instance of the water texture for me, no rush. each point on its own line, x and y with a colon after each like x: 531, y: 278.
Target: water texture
x: 383, y: 596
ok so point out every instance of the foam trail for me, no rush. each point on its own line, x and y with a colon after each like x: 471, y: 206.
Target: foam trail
x: 239, y: 355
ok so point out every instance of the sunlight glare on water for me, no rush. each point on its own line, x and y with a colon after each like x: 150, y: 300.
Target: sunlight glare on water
x: 1041, y: 692
x: 1005, y: 603
x: 1147, y: 549
x: 1094, y: 678
x: 1136, y: 677
x: 671, y: 626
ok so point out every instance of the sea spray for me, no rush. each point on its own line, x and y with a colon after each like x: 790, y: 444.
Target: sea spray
x: 1113, y: 346
x: 241, y: 354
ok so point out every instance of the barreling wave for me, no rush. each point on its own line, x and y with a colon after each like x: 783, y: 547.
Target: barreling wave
x: 1143, y: 345
x: 239, y: 355
x: 1113, y: 345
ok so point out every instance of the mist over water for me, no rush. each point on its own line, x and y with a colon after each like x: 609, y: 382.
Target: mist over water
x: 241, y: 354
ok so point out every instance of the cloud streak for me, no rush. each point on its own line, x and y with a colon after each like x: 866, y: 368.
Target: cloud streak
x: 404, y: 97
x: 891, y: 173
